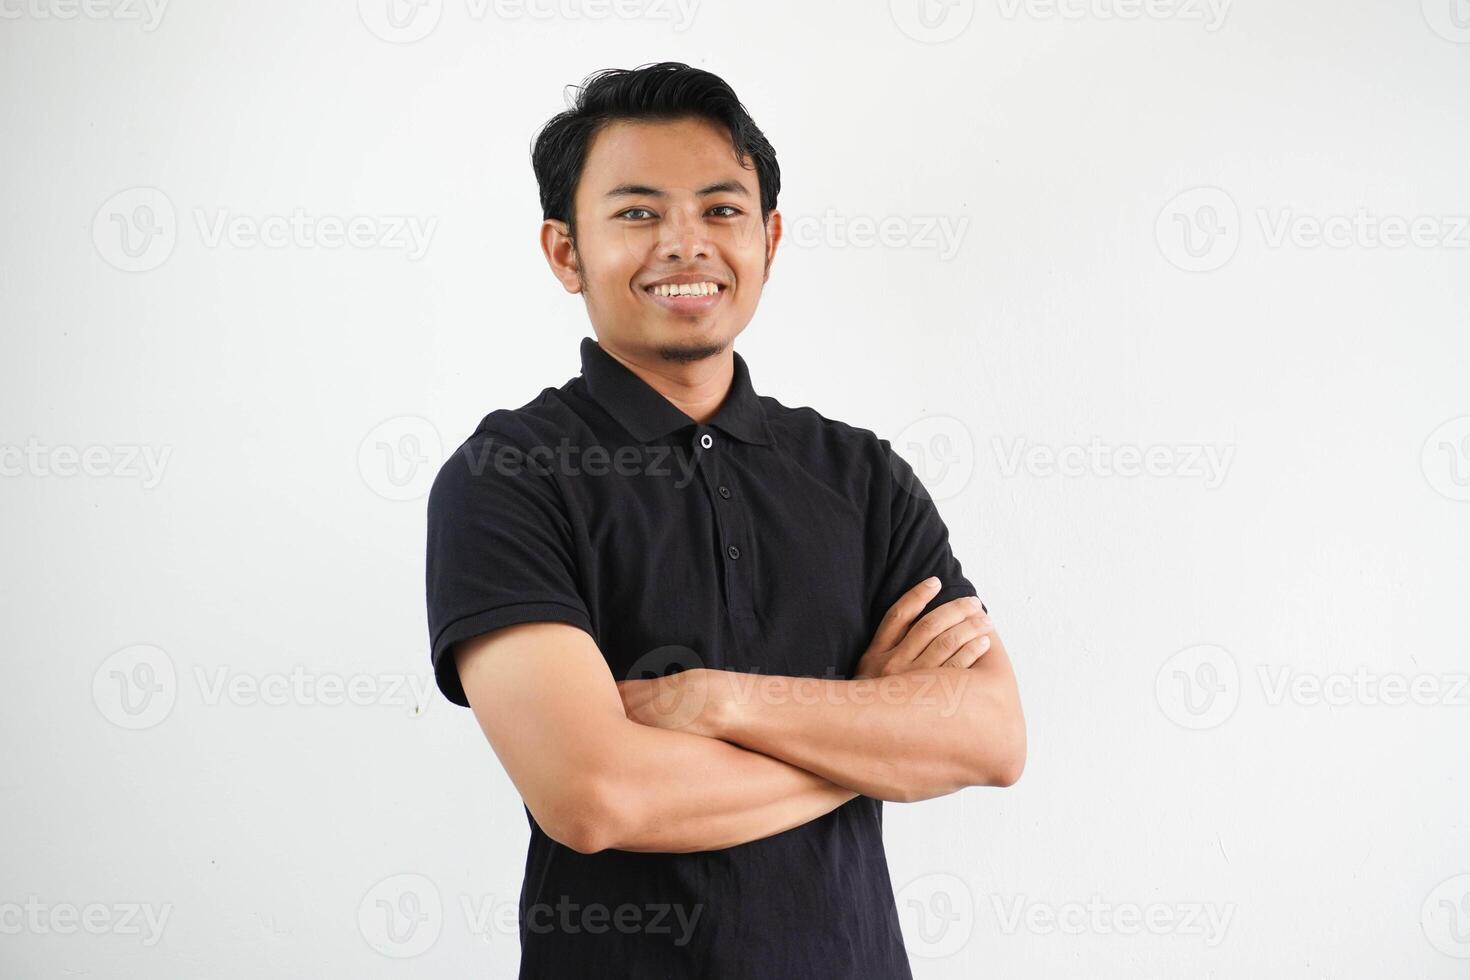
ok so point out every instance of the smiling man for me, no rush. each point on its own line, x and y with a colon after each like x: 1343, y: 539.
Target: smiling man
x: 706, y: 634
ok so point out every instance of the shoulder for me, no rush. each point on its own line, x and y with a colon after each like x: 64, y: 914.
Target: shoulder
x: 855, y: 461
x: 803, y: 428
x: 504, y: 442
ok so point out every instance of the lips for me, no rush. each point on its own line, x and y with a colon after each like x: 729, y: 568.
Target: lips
x: 691, y: 304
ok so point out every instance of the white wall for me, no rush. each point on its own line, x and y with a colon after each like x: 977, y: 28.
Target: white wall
x: 1217, y: 824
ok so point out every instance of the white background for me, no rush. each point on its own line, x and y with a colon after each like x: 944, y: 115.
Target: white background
x: 1182, y: 813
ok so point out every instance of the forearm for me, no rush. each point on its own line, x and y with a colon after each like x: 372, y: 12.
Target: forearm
x: 676, y: 791
x: 905, y: 737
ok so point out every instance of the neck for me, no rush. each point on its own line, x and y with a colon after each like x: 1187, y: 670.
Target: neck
x: 697, y: 387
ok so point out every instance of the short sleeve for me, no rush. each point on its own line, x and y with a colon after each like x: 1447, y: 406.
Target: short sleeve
x: 500, y: 551
x: 918, y: 541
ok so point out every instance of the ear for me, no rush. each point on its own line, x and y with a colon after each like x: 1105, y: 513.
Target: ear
x: 561, y: 254
x: 773, y: 238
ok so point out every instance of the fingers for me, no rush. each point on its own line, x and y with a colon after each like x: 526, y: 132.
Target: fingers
x: 970, y: 653
x: 902, y: 613
x: 929, y: 628
x: 948, y: 644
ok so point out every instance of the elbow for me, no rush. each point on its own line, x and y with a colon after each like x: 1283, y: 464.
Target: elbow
x: 1002, y: 744
x: 585, y: 818
x: 1007, y: 770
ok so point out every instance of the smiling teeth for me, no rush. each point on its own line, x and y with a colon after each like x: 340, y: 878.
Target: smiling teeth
x: 686, y: 289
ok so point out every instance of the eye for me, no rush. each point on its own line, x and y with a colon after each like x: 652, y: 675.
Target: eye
x: 628, y: 213
x: 734, y: 211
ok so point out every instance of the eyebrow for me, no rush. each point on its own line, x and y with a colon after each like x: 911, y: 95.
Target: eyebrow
x: 642, y: 190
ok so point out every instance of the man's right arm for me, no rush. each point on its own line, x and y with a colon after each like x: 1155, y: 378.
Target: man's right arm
x: 593, y: 779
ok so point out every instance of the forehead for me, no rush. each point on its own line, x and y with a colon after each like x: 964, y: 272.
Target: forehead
x: 674, y: 155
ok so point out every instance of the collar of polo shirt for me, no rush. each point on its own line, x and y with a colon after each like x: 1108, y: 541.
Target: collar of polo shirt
x: 648, y: 415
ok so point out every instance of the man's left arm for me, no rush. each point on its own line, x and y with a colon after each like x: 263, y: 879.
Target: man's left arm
x: 917, y: 731
x: 902, y: 737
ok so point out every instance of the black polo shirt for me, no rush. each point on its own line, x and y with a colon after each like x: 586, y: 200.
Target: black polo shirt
x: 769, y: 540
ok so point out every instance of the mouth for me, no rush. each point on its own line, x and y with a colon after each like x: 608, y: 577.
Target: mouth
x: 686, y: 298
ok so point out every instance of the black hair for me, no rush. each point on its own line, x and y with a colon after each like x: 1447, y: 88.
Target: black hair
x: 663, y: 91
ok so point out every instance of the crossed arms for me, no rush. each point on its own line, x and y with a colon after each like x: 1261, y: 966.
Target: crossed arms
x: 706, y: 759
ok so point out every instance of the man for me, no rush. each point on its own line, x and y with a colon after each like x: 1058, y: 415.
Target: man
x: 700, y: 628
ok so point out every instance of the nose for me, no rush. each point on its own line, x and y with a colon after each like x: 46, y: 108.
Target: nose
x: 683, y: 236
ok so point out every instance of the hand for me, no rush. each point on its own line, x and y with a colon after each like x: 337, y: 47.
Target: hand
x: 956, y: 634
x: 682, y: 701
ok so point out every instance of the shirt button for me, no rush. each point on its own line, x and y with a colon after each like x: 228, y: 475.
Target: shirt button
x: 733, y: 551
x: 706, y: 441
x: 725, y: 492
